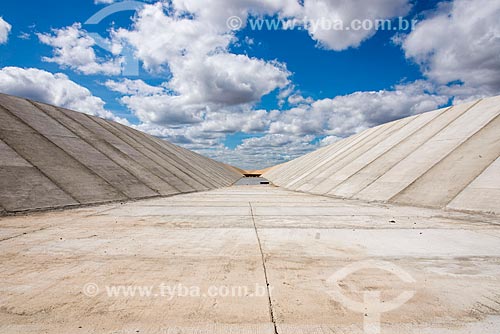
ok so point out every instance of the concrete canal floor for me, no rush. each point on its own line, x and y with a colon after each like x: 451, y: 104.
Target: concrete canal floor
x: 250, y: 259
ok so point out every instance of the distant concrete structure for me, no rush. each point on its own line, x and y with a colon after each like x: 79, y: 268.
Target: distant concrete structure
x: 52, y: 158
x: 448, y: 158
x: 256, y: 173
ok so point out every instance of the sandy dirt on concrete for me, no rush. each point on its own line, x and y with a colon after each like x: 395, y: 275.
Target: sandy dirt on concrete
x: 248, y: 259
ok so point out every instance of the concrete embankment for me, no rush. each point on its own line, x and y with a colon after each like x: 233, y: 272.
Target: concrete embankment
x: 52, y: 157
x: 448, y: 158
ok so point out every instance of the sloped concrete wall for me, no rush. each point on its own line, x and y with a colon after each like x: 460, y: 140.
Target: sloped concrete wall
x: 52, y: 157
x: 446, y: 158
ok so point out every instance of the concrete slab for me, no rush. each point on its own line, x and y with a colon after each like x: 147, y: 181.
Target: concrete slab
x: 370, y: 173
x: 308, y: 171
x: 25, y: 188
x: 330, y: 158
x: 73, y: 177
x: 100, y: 133
x: 94, y: 159
x: 38, y: 121
x: 433, y: 151
x: 381, y: 149
x: 202, y: 166
x: 426, y: 160
x: 330, y: 182
x: 8, y: 157
x: 52, y: 157
x: 369, y: 141
x: 145, y: 143
x: 455, y: 172
x: 126, y: 162
x: 251, y: 181
x: 61, y: 272
x: 293, y: 174
x: 483, y: 194
x: 168, y: 171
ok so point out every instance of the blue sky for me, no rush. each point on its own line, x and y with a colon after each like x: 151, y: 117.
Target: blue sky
x: 247, y: 97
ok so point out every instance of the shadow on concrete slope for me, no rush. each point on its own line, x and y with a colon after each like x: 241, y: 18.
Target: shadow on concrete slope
x: 448, y: 158
x: 52, y: 157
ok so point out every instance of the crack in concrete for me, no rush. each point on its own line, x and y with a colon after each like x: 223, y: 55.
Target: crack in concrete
x: 271, y: 310
x: 25, y: 233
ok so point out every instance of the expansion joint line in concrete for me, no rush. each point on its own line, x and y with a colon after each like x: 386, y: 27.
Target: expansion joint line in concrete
x: 271, y: 310
x: 33, y: 164
x: 149, y: 159
x: 26, y: 233
x: 421, y: 144
x: 463, y: 143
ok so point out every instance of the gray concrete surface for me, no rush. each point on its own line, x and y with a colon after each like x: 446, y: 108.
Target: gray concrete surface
x: 446, y: 158
x: 52, y: 158
x: 251, y: 181
x: 56, y: 268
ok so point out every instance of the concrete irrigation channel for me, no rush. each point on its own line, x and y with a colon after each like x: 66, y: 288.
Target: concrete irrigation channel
x: 247, y: 259
x: 168, y: 241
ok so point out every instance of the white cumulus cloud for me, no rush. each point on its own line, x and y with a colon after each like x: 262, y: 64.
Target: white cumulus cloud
x: 287, y: 134
x: 56, y: 89
x: 318, y: 14
x: 5, y: 29
x: 265, y: 151
x: 332, y: 19
x: 205, y: 77
x: 458, y: 46
x: 74, y: 48
x: 133, y: 87
x: 345, y: 115
x: 209, y: 92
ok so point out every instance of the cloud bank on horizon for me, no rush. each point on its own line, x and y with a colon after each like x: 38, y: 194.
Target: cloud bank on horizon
x: 229, y: 93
